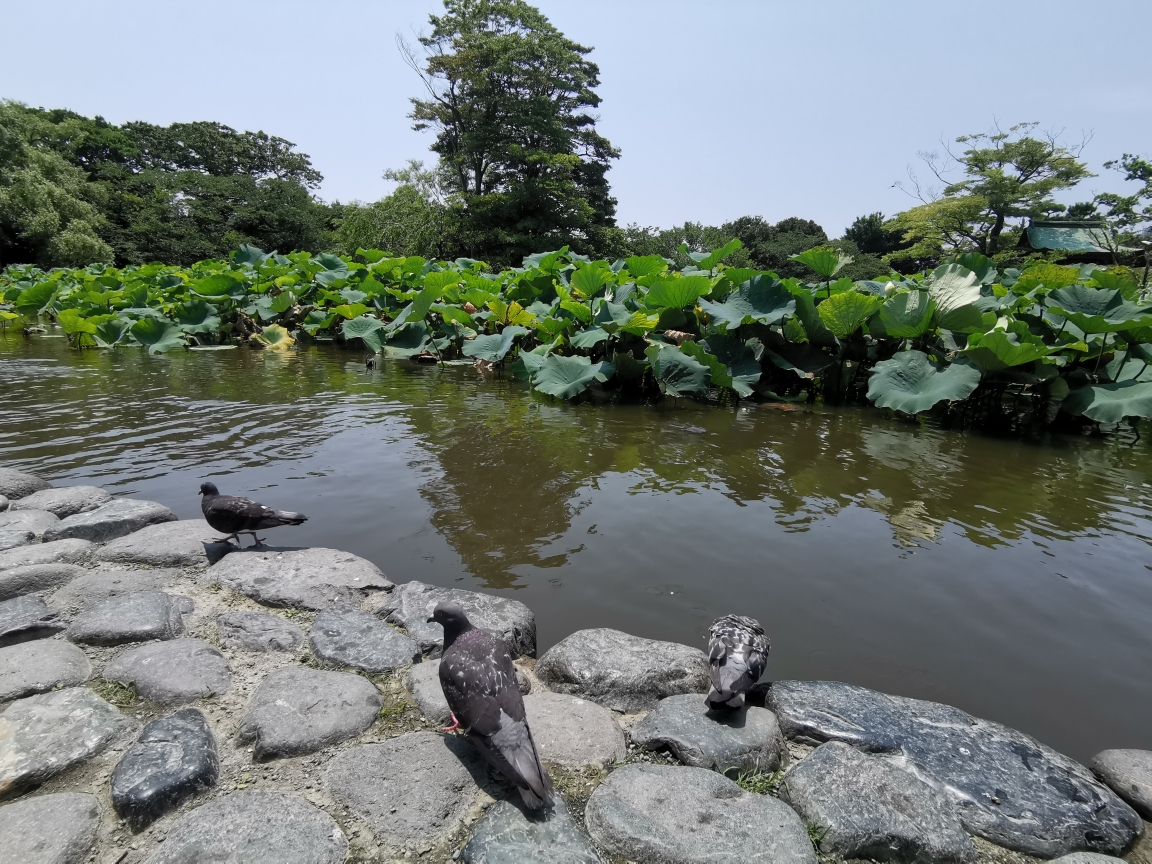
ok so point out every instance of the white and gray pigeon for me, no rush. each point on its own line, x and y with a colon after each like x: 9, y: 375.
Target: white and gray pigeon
x: 233, y: 515
x: 737, y: 655
x: 479, y: 682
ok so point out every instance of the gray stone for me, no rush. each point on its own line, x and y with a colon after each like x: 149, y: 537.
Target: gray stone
x: 1086, y: 858
x: 413, y: 791
x: 49, y: 829
x: 748, y: 739
x: 302, y: 578
x: 37, y: 667
x: 172, y: 673
x: 297, y: 710
x: 36, y: 521
x: 870, y: 807
x: 36, y: 577
x: 64, y: 500
x: 258, y: 631
x: 411, y: 604
x: 573, y: 732
x: 25, y: 618
x: 58, y: 551
x: 652, y: 814
x: 139, y: 617
x: 4, y: 502
x: 351, y: 637
x: 423, y: 682
x: 1007, y: 787
x: 184, y: 543
x: 174, y: 759
x: 254, y: 827
x: 510, y: 834
x: 42, y: 735
x: 16, y: 484
x: 12, y: 539
x: 621, y: 671
x: 93, y: 588
x: 1129, y: 774
x: 115, y: 519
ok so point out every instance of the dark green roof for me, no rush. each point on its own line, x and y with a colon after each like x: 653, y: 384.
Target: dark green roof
x: 1069, y: 236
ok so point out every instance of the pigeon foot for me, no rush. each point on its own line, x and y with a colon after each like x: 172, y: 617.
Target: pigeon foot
x: 455, y: 725
x: 227, y: 539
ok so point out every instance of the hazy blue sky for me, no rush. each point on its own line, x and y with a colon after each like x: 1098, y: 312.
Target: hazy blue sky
x: 721, y: 109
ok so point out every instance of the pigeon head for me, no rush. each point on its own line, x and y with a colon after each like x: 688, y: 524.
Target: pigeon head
x: 452, y: 618
x: 209, y: 489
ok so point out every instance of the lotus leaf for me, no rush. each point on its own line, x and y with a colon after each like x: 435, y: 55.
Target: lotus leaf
x: 762, y: 299
x: 32, y: 301
x: 628, y: 368
x: 370, y: 330
x: 999, y: 349
x: 907, y: 315
x: 586, y: 281
x: 981, y: 266
x: 282, y: 302
x: 803, y: 361
x: 742, y: 369
x: 646, y: 265
x: 676, y: 292
x: 844, y: 314
x: 249, y: 255
x: 814, y: 327
x: 111, y: 332
x: 1111, y: 403
x: 158, y: 335
x: 197, y: 316
x: 350, y: 310
x: 74, y: 323
x: 220, y: 285
x: 676, y: 372
x: 911, y: 382
x: 588, y: 338
x: 709, y: 261
x: 407, y: 340
x: 1096, y: 310
x: 493, y: 348
x: 567, y: 377
x: 954, y: 290
x: 275, y: 337
x: 824, y: 260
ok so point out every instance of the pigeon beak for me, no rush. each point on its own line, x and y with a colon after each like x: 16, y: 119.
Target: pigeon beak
x: 431, y: 620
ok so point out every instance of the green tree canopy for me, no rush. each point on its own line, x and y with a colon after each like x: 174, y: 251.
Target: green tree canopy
x: 508, y: 96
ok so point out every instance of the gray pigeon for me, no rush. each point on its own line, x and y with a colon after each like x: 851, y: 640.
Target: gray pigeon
x: 479, y: 682
x: 234, y: 516
x: 737, y: 655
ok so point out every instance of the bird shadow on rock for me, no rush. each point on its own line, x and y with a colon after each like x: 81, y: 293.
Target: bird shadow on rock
x: 266, y: 547
x: 215, y: 551
x: 733, y: 718
x: 484, y: 776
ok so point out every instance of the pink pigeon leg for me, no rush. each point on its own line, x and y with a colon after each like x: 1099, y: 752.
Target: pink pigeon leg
x: 455, y: 725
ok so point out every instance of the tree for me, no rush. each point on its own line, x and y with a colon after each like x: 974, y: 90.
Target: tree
x: 48, y: 212
x: 413, y: 220
x: 1006, y: 176
x: 508, y: 97
x: 872, y: 235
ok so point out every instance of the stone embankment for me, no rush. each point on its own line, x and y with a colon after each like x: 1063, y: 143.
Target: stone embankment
x: 164, y: 698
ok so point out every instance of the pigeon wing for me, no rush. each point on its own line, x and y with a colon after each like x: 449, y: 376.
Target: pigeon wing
x: 231, y: 513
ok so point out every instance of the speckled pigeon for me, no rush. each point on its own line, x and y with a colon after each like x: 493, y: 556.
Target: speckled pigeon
x: 235, y: 516
x: 737, y: 655
x: 479, y: 682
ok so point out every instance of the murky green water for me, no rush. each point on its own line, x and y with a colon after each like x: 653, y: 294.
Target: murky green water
x: 1006, y: 577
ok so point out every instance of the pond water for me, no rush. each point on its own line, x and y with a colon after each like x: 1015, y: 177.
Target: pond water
x: 1007, y: 577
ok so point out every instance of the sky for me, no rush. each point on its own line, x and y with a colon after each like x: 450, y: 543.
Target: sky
x: 720, y: 109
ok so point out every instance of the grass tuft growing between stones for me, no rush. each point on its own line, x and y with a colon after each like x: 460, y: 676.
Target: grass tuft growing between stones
x: 576, y: 786
x: 758, y: 782
x: 116, y: 693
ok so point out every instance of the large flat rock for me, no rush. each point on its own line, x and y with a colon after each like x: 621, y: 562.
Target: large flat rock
x: 870, y: 807
x: 184, y: 543
x: 573, y: 732
x: 510, y: 834
x: 37, y: 667
x: 301, y: 578
x: 1128, y: 773
x: 747, y: 739
x: 254, y: 826
x: 411, y: 604
x: 258, y: 631
x: 32, y: 578
x: 23, y: 619
x: 174, y: 758
x: 36, y: 521
x: 347, y: 636
x: 653, y: 814
x: 92, y: 587
x: 64, y: 501
x: 413, y: 791
x: 1007, y: 787
x: 117, y: 518
x: 138, y: 617
x: 17, y: 484
x: 621, y: 671
x: 42, y: 735
x: 423, y: 682
x: 49, y: 829
x: 297, y: 710
x: 58, y: 551
x: 172, y: 673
